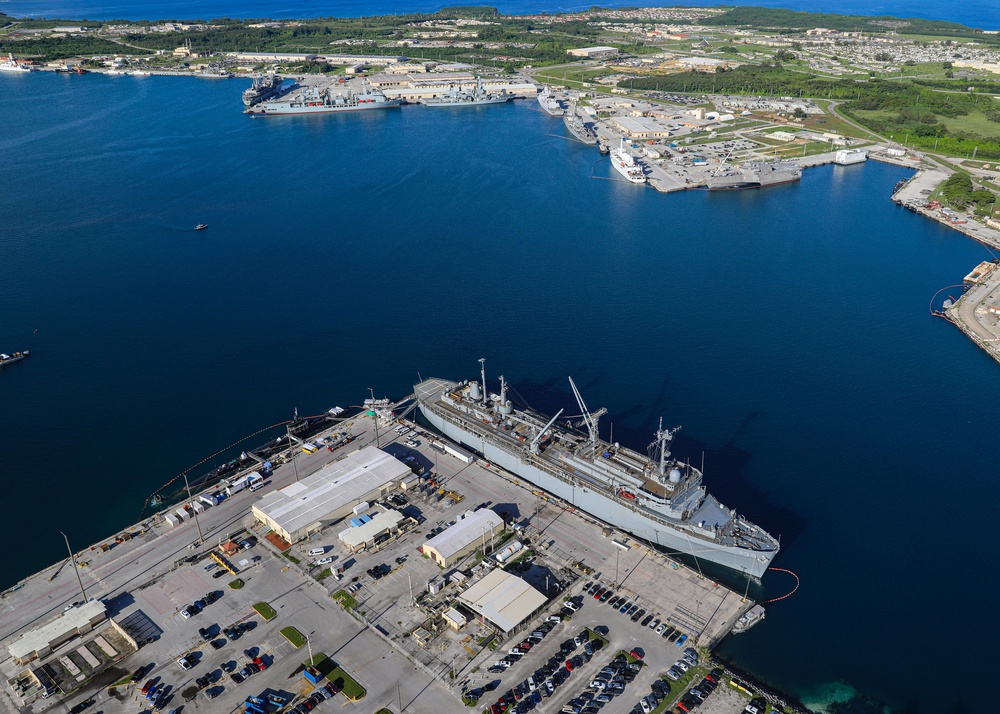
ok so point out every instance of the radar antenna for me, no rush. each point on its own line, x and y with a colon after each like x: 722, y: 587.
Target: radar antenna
x: 590, y: 419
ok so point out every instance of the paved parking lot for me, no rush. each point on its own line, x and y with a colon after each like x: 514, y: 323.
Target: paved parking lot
x: 150, y: 575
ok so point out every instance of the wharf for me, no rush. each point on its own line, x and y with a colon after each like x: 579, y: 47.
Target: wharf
x: 159, y: 569
x: 914, y: 195
x: 972, y: 314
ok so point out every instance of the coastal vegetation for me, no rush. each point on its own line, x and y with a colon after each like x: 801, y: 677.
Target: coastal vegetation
x: 958, y: 192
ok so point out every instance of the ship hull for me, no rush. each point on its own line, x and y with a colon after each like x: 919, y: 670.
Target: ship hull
x: 752, y: 184
x: 460, y: 103
x: 288, y: 111
x: 603, y: 508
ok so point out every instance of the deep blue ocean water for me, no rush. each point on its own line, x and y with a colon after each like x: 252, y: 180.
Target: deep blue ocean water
x: 787, y: 330
x: 984, y: 14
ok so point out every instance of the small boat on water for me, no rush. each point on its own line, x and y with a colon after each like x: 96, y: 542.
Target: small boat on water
x: 748, y: 619
x: 10, y: 359
x: 201, y: 226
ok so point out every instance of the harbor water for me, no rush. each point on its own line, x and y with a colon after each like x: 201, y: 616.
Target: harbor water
x: 787, y: 330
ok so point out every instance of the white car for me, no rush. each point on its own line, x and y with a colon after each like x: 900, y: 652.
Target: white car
x: 317, y: 551
x: 325, y: 561
x: 185, y: 614
x: 661, y: 628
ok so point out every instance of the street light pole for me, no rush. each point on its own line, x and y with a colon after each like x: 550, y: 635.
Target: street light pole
x: 201, y: 536
x: 375, y: 416
x: 75, y: 567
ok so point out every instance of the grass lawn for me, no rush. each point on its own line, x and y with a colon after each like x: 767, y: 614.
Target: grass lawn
x: 678, y: 688
x: 351, y: 689
x: 265, y: 610
x: 292, y: 558
x: 236, y: 584
x: 294, y: 636
x: 976, y: 122
x: 345, y: 599
x: 833, y: 124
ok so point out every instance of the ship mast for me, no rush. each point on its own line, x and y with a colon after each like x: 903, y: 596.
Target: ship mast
x: 663, y: 438
x: 482, y: 366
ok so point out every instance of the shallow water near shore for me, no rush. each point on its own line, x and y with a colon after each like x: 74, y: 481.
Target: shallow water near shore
x: 787, y: 330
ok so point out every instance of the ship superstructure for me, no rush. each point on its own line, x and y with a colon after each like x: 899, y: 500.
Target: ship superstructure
x: 653, y: 496
x: 262, y: 88
x: 550, y: 104
x: 754, y: 174
x: 456, y: 97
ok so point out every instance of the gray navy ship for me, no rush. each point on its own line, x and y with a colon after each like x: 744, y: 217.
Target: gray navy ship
x: 456, y: 97
x: 754, y: 174
x: 313, y: 100
x: 653, y: 496
x: 261, y: 89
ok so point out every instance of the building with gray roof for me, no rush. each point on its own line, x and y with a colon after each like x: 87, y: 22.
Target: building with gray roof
x: 330, y: 494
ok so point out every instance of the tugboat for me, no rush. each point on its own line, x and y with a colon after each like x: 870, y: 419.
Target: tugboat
x: 201, y: 226
x: 10, y: 359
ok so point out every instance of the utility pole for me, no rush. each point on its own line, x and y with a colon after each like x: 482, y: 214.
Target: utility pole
x: 291, y: 450
x: 75, y: 567
x: 375, y: 416
x: 201, y: 536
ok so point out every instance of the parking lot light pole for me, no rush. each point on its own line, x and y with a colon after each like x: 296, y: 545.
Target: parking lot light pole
x: 201, y: 536
x: 75, y: 567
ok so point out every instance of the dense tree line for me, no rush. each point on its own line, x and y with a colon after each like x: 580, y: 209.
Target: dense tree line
x: 47, y: 49
x: 958, y: 192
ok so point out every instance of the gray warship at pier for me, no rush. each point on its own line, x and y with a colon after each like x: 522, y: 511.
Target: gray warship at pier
x: 655, y: 497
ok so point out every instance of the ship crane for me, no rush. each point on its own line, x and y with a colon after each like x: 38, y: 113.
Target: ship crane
x: 590, y: 419
x: 534, y: 442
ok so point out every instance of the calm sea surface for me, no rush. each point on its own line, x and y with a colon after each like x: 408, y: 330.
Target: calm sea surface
x: 975, y: 13
x: 786, y: 329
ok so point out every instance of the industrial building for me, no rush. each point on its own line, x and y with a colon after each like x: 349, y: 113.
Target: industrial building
x: 641, y: 128
x: 593, y: 52
x: 331, y: 494
x: 41, y: 641
x: 503, y: 600
x: 472, y: 531
x: 373, y: 532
